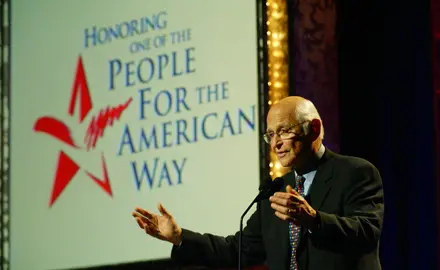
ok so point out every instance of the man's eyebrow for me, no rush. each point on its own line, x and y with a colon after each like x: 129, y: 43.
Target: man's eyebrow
x: 287, y: 126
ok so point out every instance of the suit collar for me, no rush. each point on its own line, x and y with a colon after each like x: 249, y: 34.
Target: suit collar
x: 321, y: 184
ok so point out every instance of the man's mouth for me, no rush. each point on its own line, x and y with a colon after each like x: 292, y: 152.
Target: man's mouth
x: 281, y: 154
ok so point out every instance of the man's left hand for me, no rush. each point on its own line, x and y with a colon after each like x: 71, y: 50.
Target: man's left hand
x: 291, y: 206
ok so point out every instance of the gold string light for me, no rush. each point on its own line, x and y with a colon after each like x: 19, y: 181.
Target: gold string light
x: 278, y: 64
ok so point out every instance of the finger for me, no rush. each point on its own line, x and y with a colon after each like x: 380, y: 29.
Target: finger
x: 295, y: 193
x: 292, y: 191
x: 293, y: 197
x: 290, y: 212
x: 163, y: 211
x: 296, y: 199
x: 282, y: 216
x: 284, y: 195
x: 280, y: 208
x: 292, y: 201
x: 287, y: 218
x: 280, y: 201
x: 144, y: 212
x: 289, y: 189
x: 143, y: 218
x: 140, y: 223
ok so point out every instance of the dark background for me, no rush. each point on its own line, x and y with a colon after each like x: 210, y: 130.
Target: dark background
x: 387, y: 116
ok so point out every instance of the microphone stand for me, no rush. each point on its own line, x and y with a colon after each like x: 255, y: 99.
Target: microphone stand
x: 265, y: 192
x: 240, y: 238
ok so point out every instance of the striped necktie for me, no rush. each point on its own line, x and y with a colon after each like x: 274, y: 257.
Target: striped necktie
x: 295, y: 230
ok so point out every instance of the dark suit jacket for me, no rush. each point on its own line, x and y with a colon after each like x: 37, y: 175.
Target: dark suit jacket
x: 348, y: 197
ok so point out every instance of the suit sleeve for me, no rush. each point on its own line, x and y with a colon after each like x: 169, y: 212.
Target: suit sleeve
x: 359, y: 229
x: 217, y: 251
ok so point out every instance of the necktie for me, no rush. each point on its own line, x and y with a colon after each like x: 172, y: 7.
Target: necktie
x: 295, y: 230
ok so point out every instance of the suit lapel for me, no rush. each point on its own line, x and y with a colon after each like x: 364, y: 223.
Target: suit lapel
x: 321, y: 184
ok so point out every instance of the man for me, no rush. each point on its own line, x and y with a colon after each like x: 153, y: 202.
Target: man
x: 328, y: 215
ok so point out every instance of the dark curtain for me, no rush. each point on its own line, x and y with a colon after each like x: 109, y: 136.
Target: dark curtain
x: 386, y: 116
x: 313, y: 61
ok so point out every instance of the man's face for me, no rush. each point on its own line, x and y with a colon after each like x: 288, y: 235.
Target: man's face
x: 279, y: 122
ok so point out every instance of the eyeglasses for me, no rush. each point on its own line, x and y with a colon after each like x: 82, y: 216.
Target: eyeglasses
x: 283, y: 133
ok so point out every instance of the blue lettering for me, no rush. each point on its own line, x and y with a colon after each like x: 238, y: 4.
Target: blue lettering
x: 167, y: 102
x: 163, y: 101
x: 88, y: 36
x: 144, y: 173
x: 204, y: 127
x: 164, y: 175
x: 159, y: 20
x: 129, y: 81
x: 227, y: 125
x: 163, y: 63
x: 150, y: 68
x: 189, y: 60
x: 142, y: 102
x: 179, y: 169
x: 114, y: 71
x: 147, y: 69
x: 166, y: 135
x: 195, y: 125
x: 126, y: 141
x: 176, y: 73
x: 134, y: 27
x: 181, y: 97
x: 104, y: 35
x: 126, y: 30
x: 242, y: 116
x: 148, y: 141
x: 170, y: 173
x: 181, y: 131
x: 139, y: 46
x: 225, y: 90
x: 213, y: 93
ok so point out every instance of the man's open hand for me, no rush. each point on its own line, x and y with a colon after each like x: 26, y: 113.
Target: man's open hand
x: 162, y: 227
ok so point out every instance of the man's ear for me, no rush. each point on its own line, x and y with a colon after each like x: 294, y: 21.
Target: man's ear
x: 315, y: 128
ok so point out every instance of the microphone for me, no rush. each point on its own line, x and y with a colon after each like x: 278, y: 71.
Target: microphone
x: 267, y: 189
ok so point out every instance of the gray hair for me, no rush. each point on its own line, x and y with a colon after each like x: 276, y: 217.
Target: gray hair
x: 306, y: 112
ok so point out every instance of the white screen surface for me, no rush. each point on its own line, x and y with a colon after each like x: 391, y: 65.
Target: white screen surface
x: 109, y: 114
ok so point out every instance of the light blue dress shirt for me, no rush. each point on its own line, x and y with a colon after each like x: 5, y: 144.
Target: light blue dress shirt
x: 311, y: 175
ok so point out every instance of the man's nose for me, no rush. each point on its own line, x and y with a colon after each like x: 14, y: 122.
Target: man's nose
x: 276, y: 142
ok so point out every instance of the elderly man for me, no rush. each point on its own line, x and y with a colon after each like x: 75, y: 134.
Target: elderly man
x: 328, y: 215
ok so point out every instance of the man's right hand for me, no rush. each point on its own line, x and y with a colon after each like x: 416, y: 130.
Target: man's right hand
x: 162, y: 227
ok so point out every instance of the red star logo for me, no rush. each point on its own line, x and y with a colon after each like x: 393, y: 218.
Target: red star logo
x: 67, y: 168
